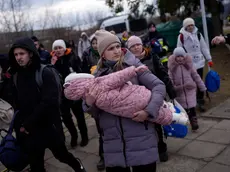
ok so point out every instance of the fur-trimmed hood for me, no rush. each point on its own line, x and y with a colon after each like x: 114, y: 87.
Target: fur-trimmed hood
x: 172, y: 64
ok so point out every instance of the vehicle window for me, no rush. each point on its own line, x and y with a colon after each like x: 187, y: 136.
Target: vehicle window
x: 118, y: 28
x: 138, y: 25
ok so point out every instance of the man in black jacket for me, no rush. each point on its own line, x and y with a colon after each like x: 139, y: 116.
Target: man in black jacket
x: 152, y: 40
x: 36, y: 123
x: 44, y: 55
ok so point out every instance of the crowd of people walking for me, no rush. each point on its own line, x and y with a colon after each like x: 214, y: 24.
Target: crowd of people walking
x: 124, y: 143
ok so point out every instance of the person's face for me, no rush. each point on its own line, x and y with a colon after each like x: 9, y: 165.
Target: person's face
x: 36, y: 43
x: 152, y: 28
x: 136, y: 49
x: 22, y: 56
x: 59, y: 51
x: 113, y: 52
x: 84, y: 37
x: 190, y: 28
x: 125, y: 35
x: 180, y: 59
x: 94, y: 44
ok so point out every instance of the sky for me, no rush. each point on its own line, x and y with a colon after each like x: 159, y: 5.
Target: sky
x: 68, y: 8
x: 66, y: 11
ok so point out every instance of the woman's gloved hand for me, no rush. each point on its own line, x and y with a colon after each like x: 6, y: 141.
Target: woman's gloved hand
x: 210, y: 64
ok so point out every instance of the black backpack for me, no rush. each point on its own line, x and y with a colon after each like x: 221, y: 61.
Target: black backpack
x: 39, y: 79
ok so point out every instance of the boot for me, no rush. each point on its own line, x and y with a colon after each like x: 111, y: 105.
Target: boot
x: 200, y: 104
x: 201, y: 108
x: 163, y: 156
x: 101, y: 165
x: 194, y: 123
x: 84, y: 141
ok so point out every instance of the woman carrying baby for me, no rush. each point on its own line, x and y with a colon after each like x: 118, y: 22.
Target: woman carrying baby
x: 128, y: 142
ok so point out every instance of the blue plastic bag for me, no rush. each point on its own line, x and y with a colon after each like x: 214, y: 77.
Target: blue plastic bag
x: 212, y: 81
x: 176, y: 130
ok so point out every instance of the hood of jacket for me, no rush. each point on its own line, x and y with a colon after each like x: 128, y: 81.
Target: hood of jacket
x: 77, y: 88
x: 28, y: 44
x: 187, y: 34
x: 172, y: 63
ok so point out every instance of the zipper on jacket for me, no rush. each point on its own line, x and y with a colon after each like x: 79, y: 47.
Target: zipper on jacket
x: 183, y: 87
x: 123, y: 140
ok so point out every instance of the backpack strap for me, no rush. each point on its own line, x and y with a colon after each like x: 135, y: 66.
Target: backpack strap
x: 38, y: 76
x: 182, y: 41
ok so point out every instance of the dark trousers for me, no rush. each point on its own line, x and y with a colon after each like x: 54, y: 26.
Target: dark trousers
x: 101, y: 152
x: 162, y: 146
x: 35, y: 144
x: 200, y: 94
x: 78, y: 112
x: 191, y: 112
x: 141, y: 168
x: 165, y: 64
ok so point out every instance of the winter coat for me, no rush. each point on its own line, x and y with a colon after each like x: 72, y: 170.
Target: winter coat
x: 157, y: 36
x: 126, y: 142
x: 185, y: 80
x: 38, y: 109
x: 196, y: 48
x: 90, y: 58
x: 82, y: 46
x: 155, y: 66
x: 67, y: 64
x: 114, y: 94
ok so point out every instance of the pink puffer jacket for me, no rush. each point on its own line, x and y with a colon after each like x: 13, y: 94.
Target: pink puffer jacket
x: 114, y: 93
x: 185, y: 80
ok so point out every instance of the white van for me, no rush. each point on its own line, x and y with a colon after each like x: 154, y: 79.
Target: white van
x: 119, y: 24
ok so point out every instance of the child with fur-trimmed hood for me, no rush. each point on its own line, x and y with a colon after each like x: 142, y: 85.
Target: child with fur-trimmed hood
x: 185, y: 80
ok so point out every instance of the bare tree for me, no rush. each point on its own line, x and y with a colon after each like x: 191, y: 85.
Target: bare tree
x: 92, y: 17
x: 13, y: 15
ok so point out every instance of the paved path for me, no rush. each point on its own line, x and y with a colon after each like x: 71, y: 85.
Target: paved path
x: 207, y: 150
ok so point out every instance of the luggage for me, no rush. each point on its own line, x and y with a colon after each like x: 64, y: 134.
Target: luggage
x: 178, y: 128
x: 6, y: 112
x: 11, y: 155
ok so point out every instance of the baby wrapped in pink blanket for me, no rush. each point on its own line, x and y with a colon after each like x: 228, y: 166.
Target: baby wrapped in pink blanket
x: 115, y: 94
